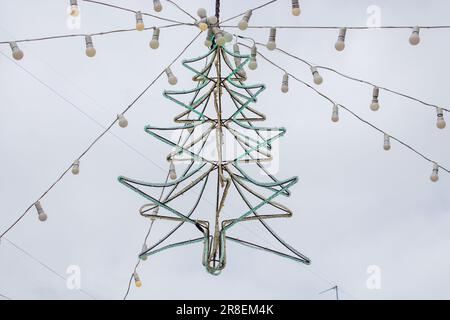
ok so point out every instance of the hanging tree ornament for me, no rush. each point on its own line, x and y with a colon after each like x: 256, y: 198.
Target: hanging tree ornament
x: 208, y: 116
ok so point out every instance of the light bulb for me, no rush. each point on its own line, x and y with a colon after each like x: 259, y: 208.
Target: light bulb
x: 295, y: 8
x: 340, y: 43
x: 374, y: 106
x: 238, y: 62
x: 137, y: 280
x: 228, y: 37
x: 253, y: 64
x: 201, y: 12
x: 335, y: 113
x: 74, y: 10
x: 139, y: 22
x: 414, y: 38
x: 41, y: 213
x: 435, y: 173
x: 440, y: 123
x: 237, y: 55
x: 219, y: 36
x: 387, y: 142
x: 285, y: 83
x: 271, y: 44
x: 144, y: 249
x: 123, y: 122
x: 172, y: 171
x: 203, y: 25
x: 90, y: 50
x: 170, y: 77
x: 157, y: 6
x: 212, y: 20
x: 76, y: 167
x: 243, y: 24
x: 316, y: 76
x: 209, y: 36
x: 154, y: 43
x: 16, y: 52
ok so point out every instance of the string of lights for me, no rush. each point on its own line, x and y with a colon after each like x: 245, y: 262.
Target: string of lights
x: 91, y: 34
x: 380, y: 87
x: 387, y: 137
x: 74, y: 167
x: 339, y: 27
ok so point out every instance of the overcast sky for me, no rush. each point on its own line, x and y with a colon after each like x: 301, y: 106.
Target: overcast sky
x: 355, y: 205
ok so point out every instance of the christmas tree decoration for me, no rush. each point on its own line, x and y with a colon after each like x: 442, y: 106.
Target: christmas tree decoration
x: 206, y: 117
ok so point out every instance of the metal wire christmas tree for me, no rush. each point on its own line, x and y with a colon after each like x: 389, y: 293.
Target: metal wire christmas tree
x: 207, y: 114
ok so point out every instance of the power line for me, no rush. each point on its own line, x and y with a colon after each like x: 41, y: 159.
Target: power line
x: 99, y: 137
x: 350, y: 111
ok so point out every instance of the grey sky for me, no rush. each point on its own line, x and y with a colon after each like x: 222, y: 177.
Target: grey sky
x: 354, y: 206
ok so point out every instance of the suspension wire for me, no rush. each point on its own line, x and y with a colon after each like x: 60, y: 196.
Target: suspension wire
x: 253, y: 9
x: 181, y: 9
x: 5, y: 297
x: 107, y: 129
x: 44, y: 265
x: 350, y: 111
x: 340, y: 27
x: 353, y: 78
x: 134, y: 11
x: 91, y: 34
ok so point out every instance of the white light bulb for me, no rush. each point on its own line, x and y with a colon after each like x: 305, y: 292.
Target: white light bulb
x: 40, y: 211
x: 172, y: 171
x: 76, y: 167
x: 243, y: 24
x: 154, y: 43
x: 157, y: 6
x: 209, y: 36
x: 219, y: 36
x: 285, y: 83
x: 170, y: 77
x: 90, y: 50
x: 316, y: 76
x: 295, y: 8
x: 374, y: 106
x: 253, y: 64
x: 212, y: 20
x: 435, y: 173
x: 340, y: 43
x: 238, y: 62
x: 144, y: 249
x: 271, y: 43
x: 335, y: 113
x: 16, y: 52
x: 440, y: 123
x: 123, y: 122
x: 74, y: 10
x: 414, y: 38
x: 387, y: 142
x: 201, y: 12
x: 228, y: 37
x: 137, y: 280
x: 139, y: 22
